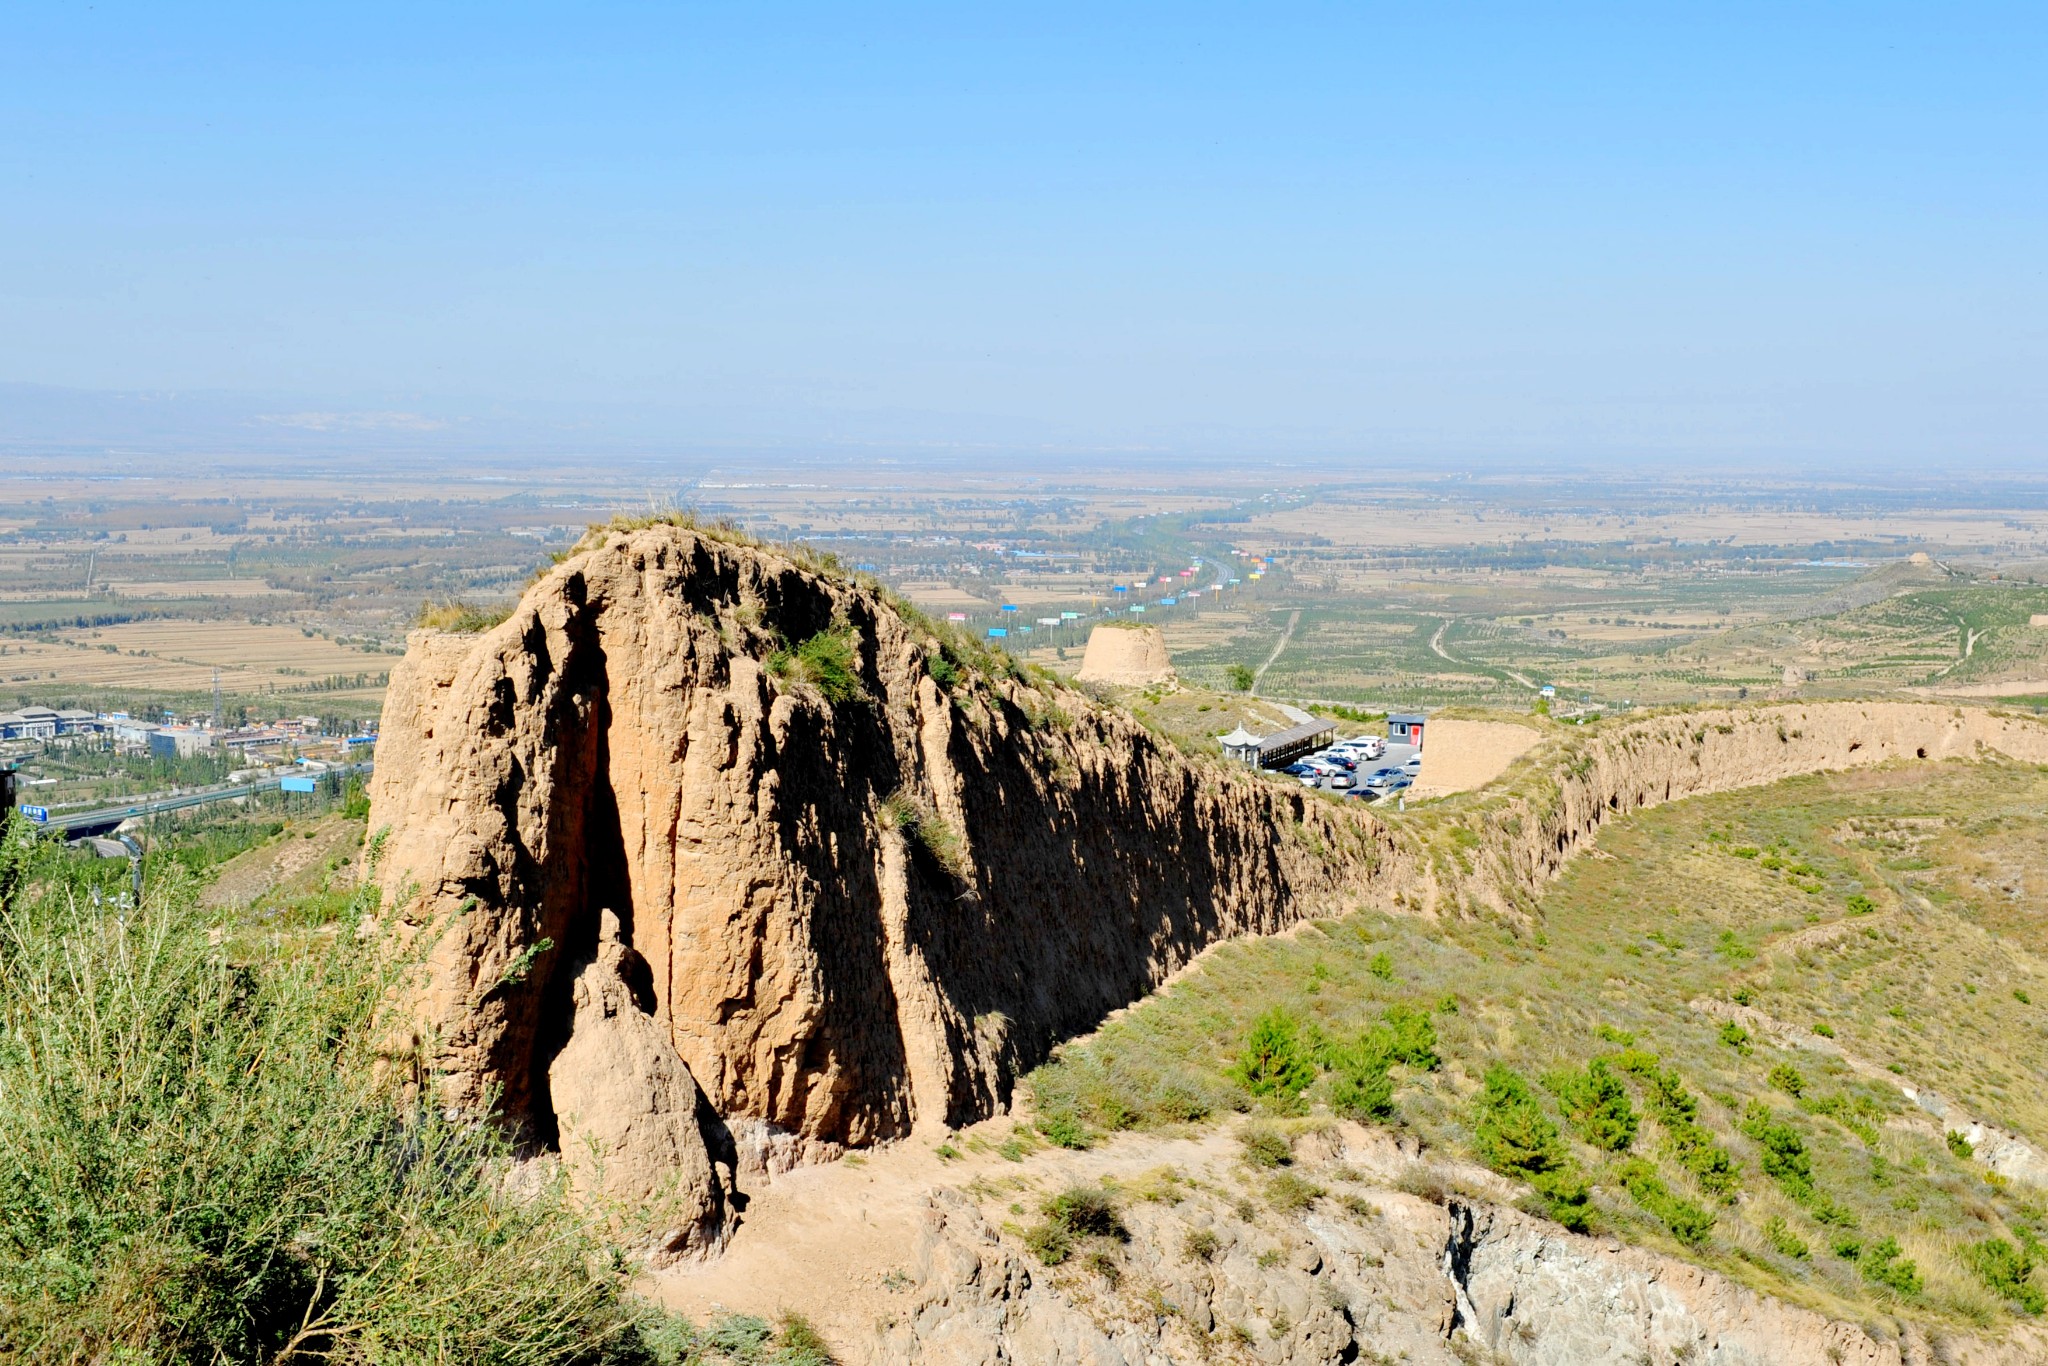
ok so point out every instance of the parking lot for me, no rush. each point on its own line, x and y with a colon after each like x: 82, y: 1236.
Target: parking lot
x: 1395, y: 757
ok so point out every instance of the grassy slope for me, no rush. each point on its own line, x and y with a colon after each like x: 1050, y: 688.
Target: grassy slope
x: 1668, y: 910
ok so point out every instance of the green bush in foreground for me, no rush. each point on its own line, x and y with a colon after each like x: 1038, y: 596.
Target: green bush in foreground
x: 2008, y: 1271
x: 1596, y: 1105
x: 1074, y: 1214
x: 1883, y: 1265
x: 1688, y: 1223
x: 1275, y: 1063
x: 1517, y: 1139
x: 203, y: 1163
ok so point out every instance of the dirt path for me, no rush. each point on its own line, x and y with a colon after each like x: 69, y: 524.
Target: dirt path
x: 1293, y: 619
x: 1436, y: 643
x: 837, y: 1242
x: 1970, y: 639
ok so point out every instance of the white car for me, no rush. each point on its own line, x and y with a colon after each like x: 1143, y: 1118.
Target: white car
x: 1413, y: 763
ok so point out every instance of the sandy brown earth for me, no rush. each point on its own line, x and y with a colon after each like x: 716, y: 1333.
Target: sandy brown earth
x: 2011, y: 687
x: 1458, y: 756
x: 1128, y: 656
x: 852, y: 1225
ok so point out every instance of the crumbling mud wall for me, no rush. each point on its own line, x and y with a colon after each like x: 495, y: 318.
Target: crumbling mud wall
x: 1128, y: 656
x: 1555, y: 801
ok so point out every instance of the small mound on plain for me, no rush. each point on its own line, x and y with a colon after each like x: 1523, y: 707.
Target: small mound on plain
x: 1127, y: 656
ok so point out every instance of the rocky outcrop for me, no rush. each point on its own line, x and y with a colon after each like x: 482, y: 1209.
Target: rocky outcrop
x: 728, y: 863
x: 868, y: 882
x: 627, y: 1112
x: 1383, y: 1276
x: 1127, y: 656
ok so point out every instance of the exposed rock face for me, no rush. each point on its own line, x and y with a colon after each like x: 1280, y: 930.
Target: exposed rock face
x: 848, y: 918
x: 1403, y: 1279
x: 856, y: 916
x: 627, y: 1109
x: 1128, y: 656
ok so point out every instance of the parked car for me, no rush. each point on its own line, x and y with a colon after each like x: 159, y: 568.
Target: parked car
x: 1396, y: 784
x: 1413, y: 763
x: 1343, y: 761
x: 1295, y: 770
x: 1382, y: 776
x: 1339, y: 780
x: 1364, y: 746
x: 1364, y: 794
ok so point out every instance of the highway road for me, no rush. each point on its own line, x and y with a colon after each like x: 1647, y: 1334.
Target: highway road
x: 100, y: 820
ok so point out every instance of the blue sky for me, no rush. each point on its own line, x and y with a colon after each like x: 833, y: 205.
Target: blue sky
x: 1664, y: 232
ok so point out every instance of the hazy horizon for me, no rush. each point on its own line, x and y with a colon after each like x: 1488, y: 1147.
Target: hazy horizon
x: 1784, y: 242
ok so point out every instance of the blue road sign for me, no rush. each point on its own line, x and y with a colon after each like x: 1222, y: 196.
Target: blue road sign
x: 39, y: 814
x: 298, y: 784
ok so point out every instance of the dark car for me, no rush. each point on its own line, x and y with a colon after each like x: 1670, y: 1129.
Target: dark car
x: 1343, y: 761
x: 1364, y: 794
x: 1396, y: 784
x: 1296, y: 770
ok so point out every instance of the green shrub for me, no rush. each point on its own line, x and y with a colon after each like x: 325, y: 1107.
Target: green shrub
x: 1884, y: 1265
x: 1063, y: 1130
x: 1241, y: 678
x: 1787, y: 1243
x: 459, y: 616
x: 1825, y: 1209
x: 1178, y: 1104
x: 1076, y: 1213
x: 1050, y: 1242
x: 1410, y: 1037
x: 1787, y: 1079
x: 1847, y: 1246
x: 1290, y: 1194
x: 1960, y: 1145
x: 1731, y: 947
x: 1517, y: 1139
x: 1596, y: 1105
x: 944, y: 672
x: 1274, y: 1062
x: 2008, y: 1271
x: 1265, y: 1146
x: 828, y: 661
x: 1201, y: 1245
x: 1860, y: 904
x: 1363, y: 1089
x: 206, y: 1162
x: 1736, y: 1037
x: 1381, y: 966
x: 1785, y: 1159
x: 1688, y: 1223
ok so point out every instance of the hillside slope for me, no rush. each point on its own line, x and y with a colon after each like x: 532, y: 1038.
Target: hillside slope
x: 862, y: 875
